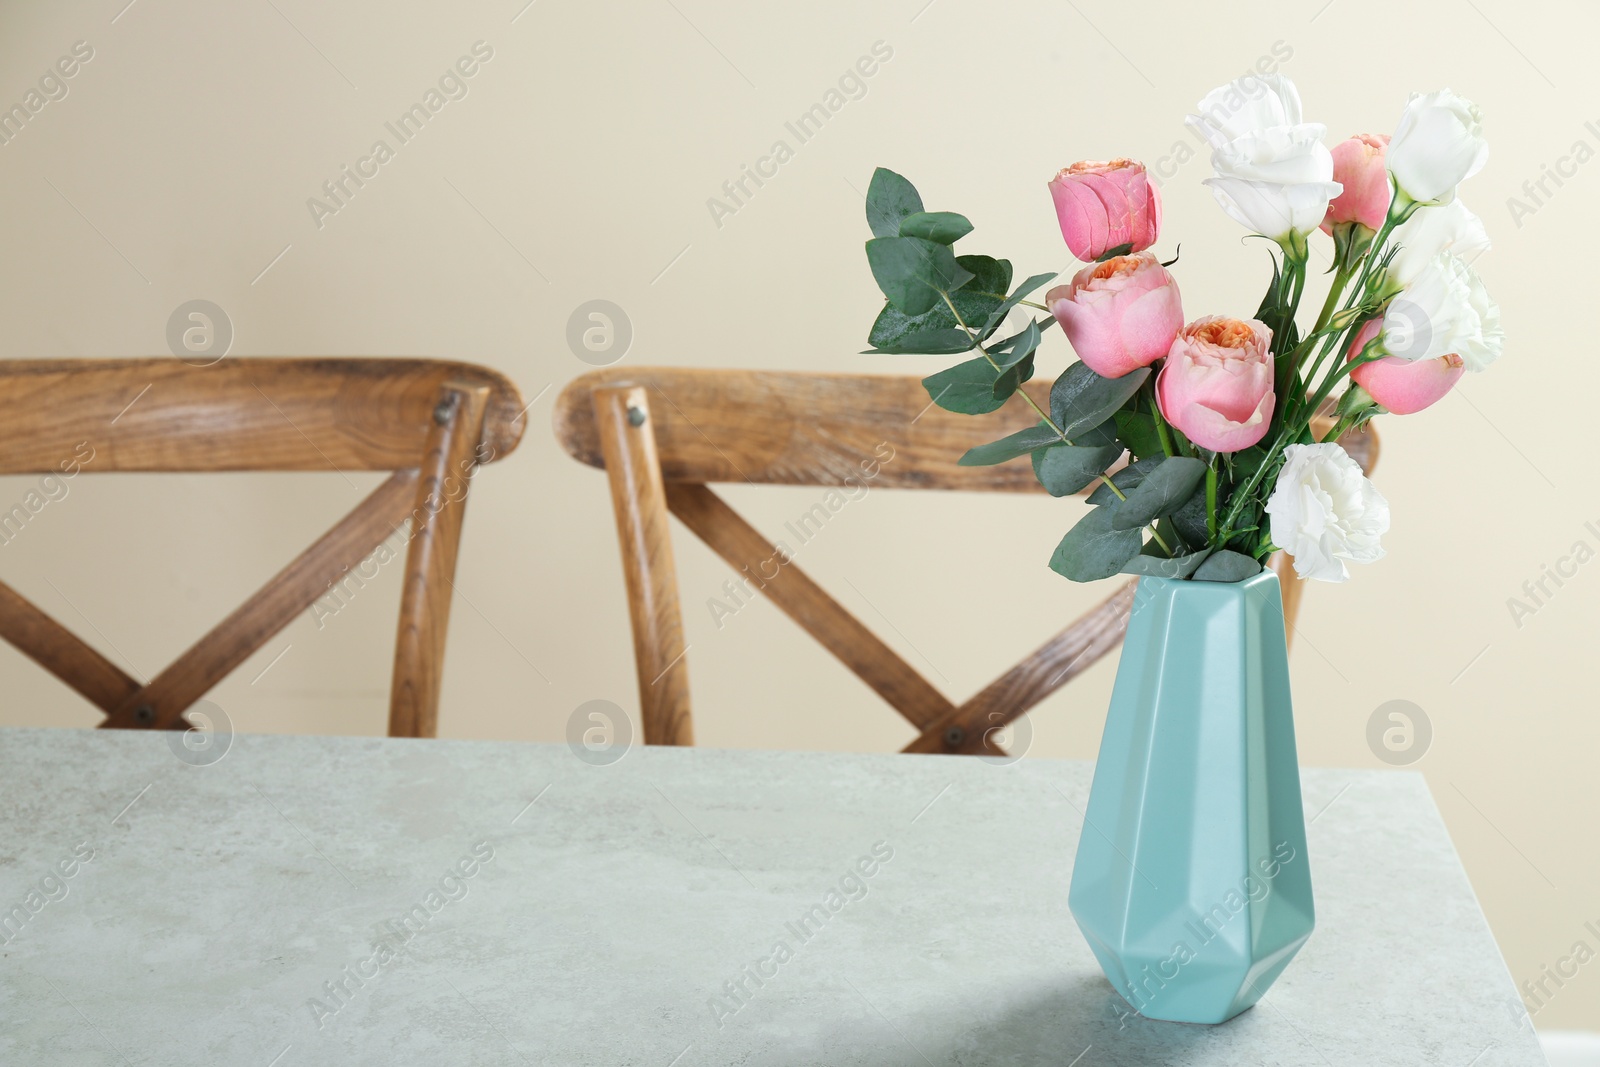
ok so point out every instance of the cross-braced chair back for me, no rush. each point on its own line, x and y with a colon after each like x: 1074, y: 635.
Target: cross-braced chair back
x: 429, y: 422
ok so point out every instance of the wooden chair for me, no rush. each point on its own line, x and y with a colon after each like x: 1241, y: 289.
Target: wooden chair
x: 662, y: 435
x: 430, y: 423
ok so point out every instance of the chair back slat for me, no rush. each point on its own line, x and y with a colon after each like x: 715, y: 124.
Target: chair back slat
x: 802, y: 429
x: 62, y: 652
x: 238, y: 415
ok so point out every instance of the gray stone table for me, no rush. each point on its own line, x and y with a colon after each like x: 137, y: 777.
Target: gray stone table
x: 311, y: 900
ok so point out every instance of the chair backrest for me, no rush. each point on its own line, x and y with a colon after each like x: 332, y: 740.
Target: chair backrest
x: 663, y: 434
x: 429, y: 422
x: 799, y: 429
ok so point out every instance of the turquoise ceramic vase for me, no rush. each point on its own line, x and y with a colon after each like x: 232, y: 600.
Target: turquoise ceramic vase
x: 1192, y: 883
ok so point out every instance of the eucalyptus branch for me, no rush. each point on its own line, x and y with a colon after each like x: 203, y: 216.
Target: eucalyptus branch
x: 1059, y: 432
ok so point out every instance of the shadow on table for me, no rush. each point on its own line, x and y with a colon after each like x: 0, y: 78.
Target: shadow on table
x: 1053, y: 1026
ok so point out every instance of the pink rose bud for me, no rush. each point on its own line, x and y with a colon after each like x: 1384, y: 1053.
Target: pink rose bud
x: 1359, y: 165
x: 1104, y: 205
x: 1216, y: 385
x: 1119, y: 315
x: 1403, y: 386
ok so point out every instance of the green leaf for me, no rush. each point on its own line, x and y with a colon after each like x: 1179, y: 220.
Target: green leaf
x: 892, y: 325
x: 1014, y: 350
x: 1011, y: 379
x: 1244, y: 464
x: 990, y: 278
x: 1081, y: 399
x: 927, y: 343
x: 1190, y: 519
x: 1066, y: 469
x: 1093, y: 549
x: 1014, y: 357
x: 1249, y: 520
x: 975, y: 300
x: 1162, y: 567
x: 1104, y: 434
x: 1113, y: 253
x: 1161, y: 492
x: 1012, y: 301
x: 911, y: 271
x: 967, y: 388
x: 1289, y: 336
x: 1005, y: 343
x: 945, y: 227
x: 890, y: 198
x: 1125, y: 479
x: 1164, y: 529
x: 1010, y: 447
x: 1226, y: 566
x: 1137, y: 431
x: 1268, y: 311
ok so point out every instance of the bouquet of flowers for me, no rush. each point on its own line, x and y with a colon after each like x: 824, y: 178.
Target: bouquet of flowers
x: 1215, y: 415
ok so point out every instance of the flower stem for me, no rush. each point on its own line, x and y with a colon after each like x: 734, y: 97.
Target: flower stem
x: 1340, y: 427
x: 1163, y: 431
x: 1211, y: 498
x: 1341, y: 278
x: 1296, y: 423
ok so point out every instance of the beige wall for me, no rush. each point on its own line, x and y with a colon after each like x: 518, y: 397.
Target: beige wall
x: 578, y: 167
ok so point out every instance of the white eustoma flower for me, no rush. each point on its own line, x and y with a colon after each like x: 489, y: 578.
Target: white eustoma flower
x: 1245, y: 106
x: 1445, y: 310
x: 1325, y: 512
x: 1273, y: 173
x: 1483, y: 343
x: 1431, y: 230
x: 1438, y: 145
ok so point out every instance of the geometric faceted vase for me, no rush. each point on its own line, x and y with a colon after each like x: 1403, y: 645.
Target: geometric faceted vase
x: 1192, y: 883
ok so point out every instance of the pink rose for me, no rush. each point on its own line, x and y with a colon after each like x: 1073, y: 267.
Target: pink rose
x: 1104, y: 205
x: 1216, y: 385
x: 1359, y: 165
x: 1119, y: 315
x: 1403, y: 386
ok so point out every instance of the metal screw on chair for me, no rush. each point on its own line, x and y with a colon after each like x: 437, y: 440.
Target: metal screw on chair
x: 635, y: 415
x: 145, y: 714
x: 954, y: 736
x: 444, y: 409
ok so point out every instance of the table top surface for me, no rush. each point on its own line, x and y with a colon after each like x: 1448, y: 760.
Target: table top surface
x: 361, y: 900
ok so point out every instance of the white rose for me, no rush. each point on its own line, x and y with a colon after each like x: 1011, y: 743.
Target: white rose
x: 1438, y: 145
x: 1431, y: 230
x: 1324, y: 511
x: 1273, y: 173
x: 1444, y: 310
